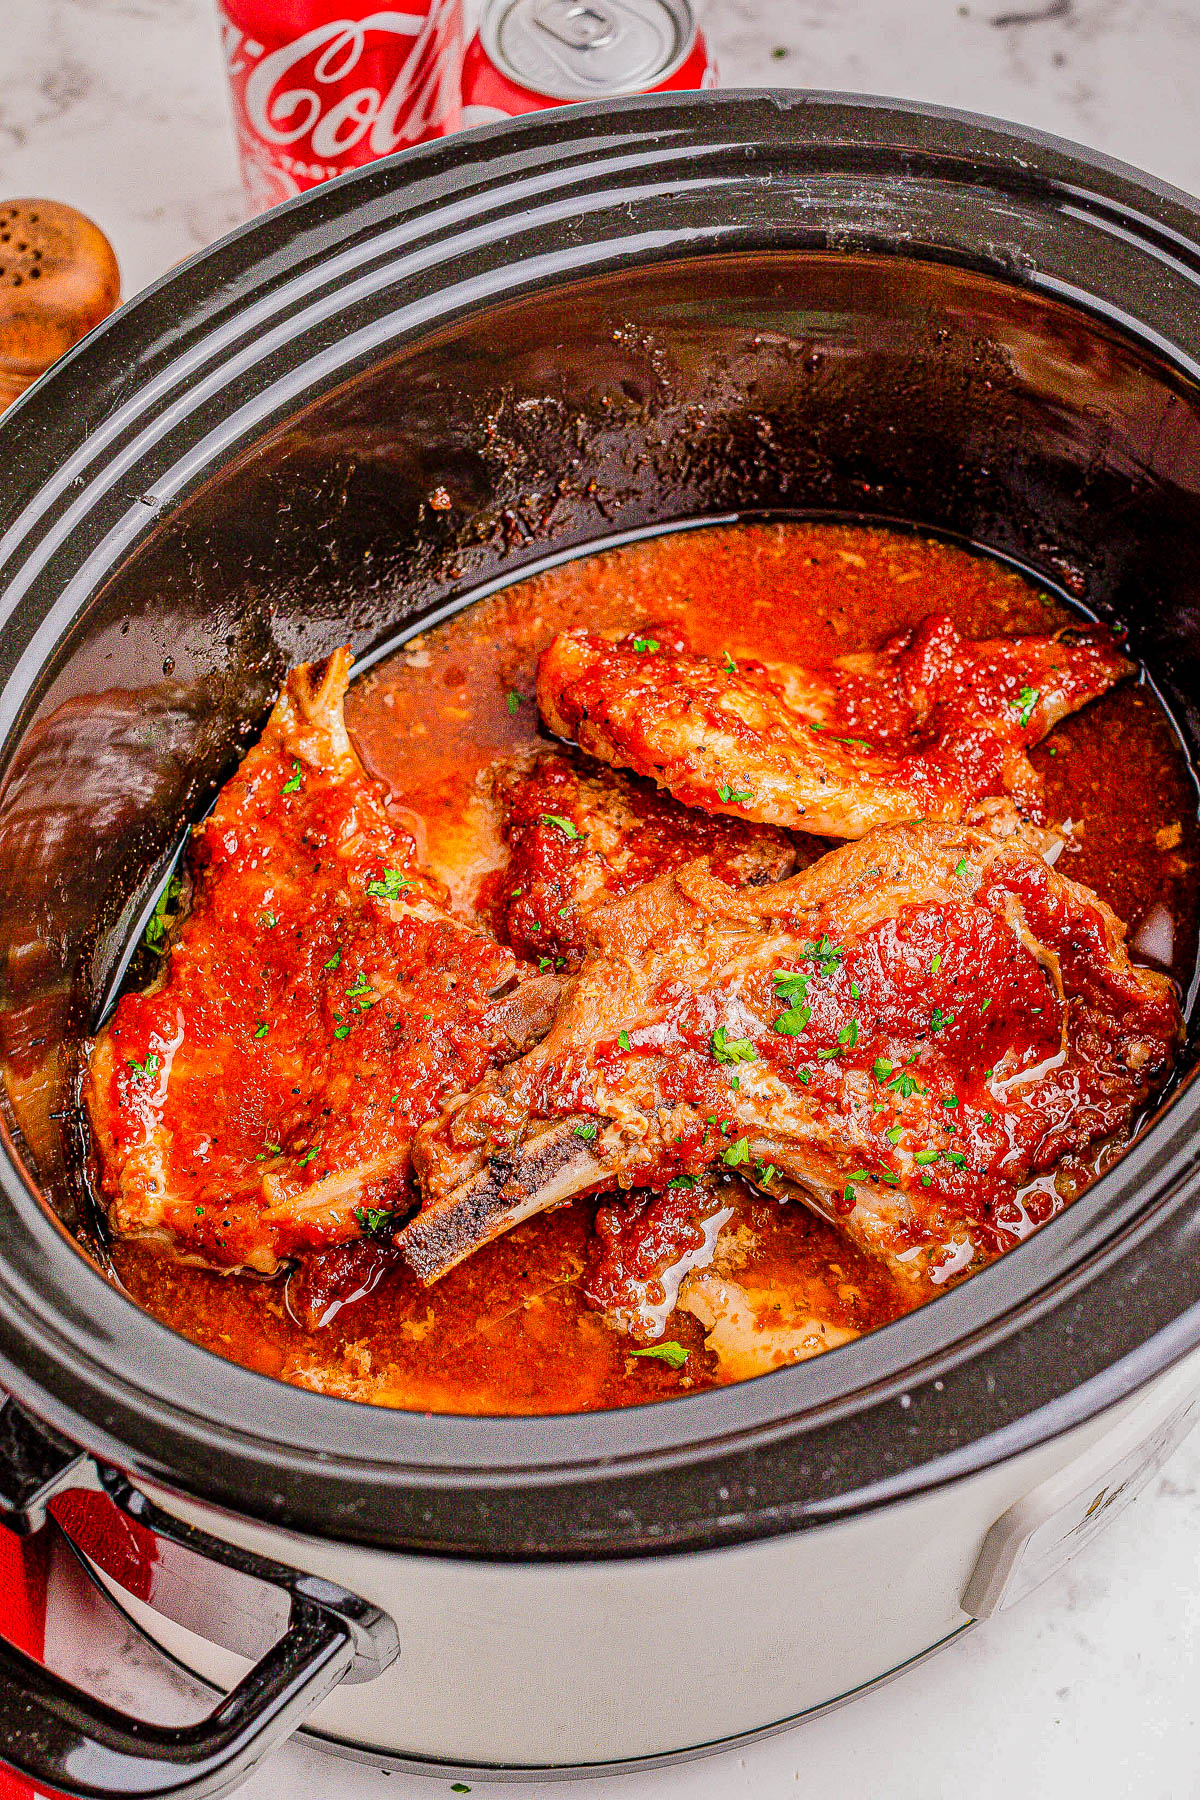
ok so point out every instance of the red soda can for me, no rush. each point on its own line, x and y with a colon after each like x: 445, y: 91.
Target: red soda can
x: 529, y: 54
x: 322, y: 86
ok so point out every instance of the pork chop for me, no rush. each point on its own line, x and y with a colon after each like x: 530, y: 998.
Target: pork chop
x: 314, y: 1007
x: 901, y: 1036
x: 580, y: 835
x: 922, y: 728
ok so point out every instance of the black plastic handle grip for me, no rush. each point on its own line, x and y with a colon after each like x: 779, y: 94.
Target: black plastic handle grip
x: 62, y: 1739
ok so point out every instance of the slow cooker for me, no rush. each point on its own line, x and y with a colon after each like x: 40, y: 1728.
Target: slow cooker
x: 588, y: 325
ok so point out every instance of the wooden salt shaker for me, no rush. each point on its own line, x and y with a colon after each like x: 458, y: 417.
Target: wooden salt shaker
x: 58, y: 278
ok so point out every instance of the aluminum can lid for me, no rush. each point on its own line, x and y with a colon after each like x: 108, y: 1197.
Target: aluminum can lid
x: 588, y: 49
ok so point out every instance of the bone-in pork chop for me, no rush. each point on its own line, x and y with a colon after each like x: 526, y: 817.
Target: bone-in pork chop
x: 315, y: 1006
x: 918, y: 730
x: 580, y: 835
x: 902, y: 1036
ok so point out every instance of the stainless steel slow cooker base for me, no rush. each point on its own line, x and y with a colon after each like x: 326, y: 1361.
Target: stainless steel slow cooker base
x: 451, y: 1771
x: 346, y: 1751
x: 504, y: 1669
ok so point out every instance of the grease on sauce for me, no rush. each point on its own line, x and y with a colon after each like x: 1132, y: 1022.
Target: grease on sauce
x: 511, y: 1330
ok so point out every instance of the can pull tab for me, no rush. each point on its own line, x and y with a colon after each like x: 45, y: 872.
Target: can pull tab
x: 579, y: 24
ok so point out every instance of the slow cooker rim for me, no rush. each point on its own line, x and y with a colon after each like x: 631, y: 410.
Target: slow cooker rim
x: 26, y: 1341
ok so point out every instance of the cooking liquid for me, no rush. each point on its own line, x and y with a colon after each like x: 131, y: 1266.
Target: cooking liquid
x: 510, y: 1330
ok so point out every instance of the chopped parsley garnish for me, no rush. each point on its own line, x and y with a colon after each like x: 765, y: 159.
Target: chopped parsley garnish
x: 1025, y: 702
x: 585, y: 1131
x: 881, y: 1068
x: 341, y: 1031
x: 335, y: 961
x: 987, y: 1118
x: 960, y: 867
x: 391, y: 887
x: 560, y: 824
x: 544, y: 963
x: 734, y: 796
x: 855, y: 991
x: 373, y: 1218
x: 682, y: 1181
x: 623, y: 1040
x: 848, y: 1193
x: 792, y: 1022
x: 459, y: 1787
x: 848, y: 1035
x: 308, y: 1156
x: 142, y: 1071
x: 950, y: 1100
x: 984, y: 1004
x: 673, y: 1354
x: 732, y: 1050
x: 361, y: 986
x: 936, y: 964
x: 790, y: 984
x: 824, y: 952
x: 895, y: 1134
x: 737, y: 1153
x: 957, y: 1158
x: 269, y: 1150
x: 293, y: 784
x: 163, y: 916
x: 729, y: 666
x: 904, y: 1084
x: 766, y: 1173
x: 513, y: 702
x: 940, y: 1020
x: 925, y: 1156
x: 268, y: 921
x: 260, y: 1030
x: 646, y: 645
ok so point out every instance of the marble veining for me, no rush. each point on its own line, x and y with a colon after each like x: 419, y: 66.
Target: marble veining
x: 1087, y: 1691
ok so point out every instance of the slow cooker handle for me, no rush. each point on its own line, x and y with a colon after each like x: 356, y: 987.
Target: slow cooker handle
x: 61, y: 1738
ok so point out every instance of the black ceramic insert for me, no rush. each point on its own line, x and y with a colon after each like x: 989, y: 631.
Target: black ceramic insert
x: 591, y: 322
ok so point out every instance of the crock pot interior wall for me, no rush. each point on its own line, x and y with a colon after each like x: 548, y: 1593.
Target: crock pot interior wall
x: 783, y: 382
x: 874, y: 387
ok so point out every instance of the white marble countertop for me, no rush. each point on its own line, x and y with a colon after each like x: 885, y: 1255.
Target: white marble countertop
x: 1089, y: 1687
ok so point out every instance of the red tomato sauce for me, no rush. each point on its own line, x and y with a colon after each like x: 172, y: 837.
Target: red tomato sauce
x: 519, y: 1326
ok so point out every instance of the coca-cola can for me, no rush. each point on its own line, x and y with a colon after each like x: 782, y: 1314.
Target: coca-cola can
x: 529, y: 54
x: 322, y: 86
